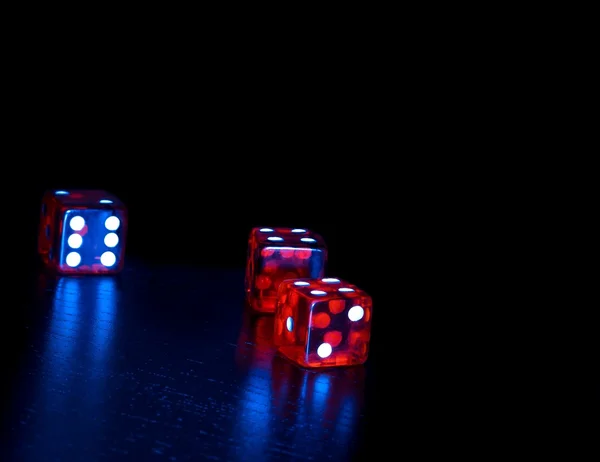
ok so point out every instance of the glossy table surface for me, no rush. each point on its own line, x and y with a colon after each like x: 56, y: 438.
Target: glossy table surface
x: 163, y: 363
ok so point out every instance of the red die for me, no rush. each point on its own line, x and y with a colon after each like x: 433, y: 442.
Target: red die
x: 275, y: 254
x: 82, y: 232
x: 322, y: 323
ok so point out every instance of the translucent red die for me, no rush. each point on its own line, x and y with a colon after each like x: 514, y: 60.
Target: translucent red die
x: 322, y: 322
x: 82, y: 232
x: 275, y: 254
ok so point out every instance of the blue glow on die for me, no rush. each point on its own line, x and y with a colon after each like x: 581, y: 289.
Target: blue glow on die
x: 90, y: 237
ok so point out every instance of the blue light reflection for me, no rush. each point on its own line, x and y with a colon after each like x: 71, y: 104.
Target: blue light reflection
x: 253, y: 357
x: 75, y: 357
x: 334, y: 398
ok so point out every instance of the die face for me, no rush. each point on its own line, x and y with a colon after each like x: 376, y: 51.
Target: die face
x: 276, y: 254
x: 91, y: 198
x: 92, y: 241
x: 333, y: 319
x: 288, y: 237
x: 292, y: 312
x: 83, y: 234
x: 48, y: 227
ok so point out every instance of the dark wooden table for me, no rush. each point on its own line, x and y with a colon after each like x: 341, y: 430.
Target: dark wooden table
x: 161, y: 363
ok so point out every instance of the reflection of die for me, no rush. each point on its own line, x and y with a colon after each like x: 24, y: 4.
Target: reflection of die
x: 255, y: 343
x: 335, y: 396
x: 82, y: 232
x: 275, y: 254
x: 322, y: 322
